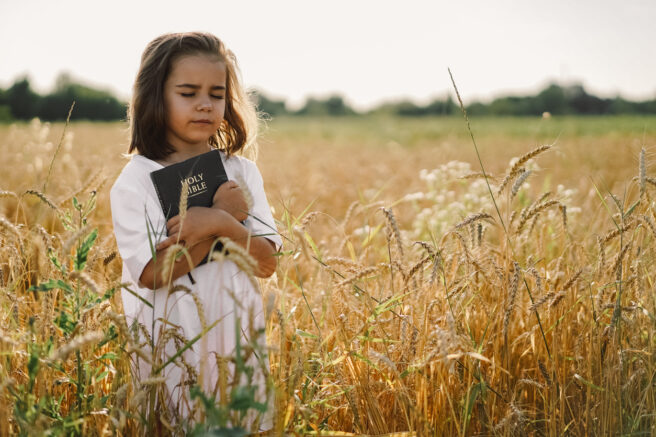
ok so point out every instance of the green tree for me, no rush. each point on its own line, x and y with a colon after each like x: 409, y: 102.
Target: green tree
x: 90, y: 103
x: 22, y: 101
x: 441, y: 107
x: 5, y: 110
x: 478, y: 108
x: 580, y: 102
x: 269, y: 106
x: 552, y: 99
x: 332, y: 106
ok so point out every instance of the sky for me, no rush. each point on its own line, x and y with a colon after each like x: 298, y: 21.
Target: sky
x: 367, y: 51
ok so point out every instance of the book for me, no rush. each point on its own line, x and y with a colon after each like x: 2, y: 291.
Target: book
x: 204, y: 174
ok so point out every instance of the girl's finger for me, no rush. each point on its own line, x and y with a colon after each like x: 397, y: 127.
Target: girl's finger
x: 166, y: 243
x: 173, y: 221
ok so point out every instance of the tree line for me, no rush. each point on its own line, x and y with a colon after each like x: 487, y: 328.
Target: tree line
x: 553, y: 99
x: 21, y: 102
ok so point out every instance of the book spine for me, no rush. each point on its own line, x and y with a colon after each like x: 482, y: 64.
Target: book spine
x: 159, y: 196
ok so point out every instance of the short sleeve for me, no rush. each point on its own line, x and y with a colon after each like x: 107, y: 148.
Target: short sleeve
x: 135, y: 216
x: 260, y: 220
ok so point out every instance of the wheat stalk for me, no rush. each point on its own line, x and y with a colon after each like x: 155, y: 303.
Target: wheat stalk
x: 511, y: 298
x: 248, y: 196
x: 414, y: 269
x: 472, y: 219
x: 572, y: 280
x: 45, y: 236
x: 534, y: 212
x: 563, y: 211
x: 642, y: 172
x: 43, y: 198
x: 109, y: 258
x: 73, y: 239
x: 541, y: 301
x: 617, y: 262
x: 650, y: 223
x: 184, y: 198
x: 308, y: 219
x: 516, y: 168
x: 239, y: 255
x: 538, y: 279
x: 524, y: 174
x: 391, y: 220
x: 4, y: 194
x: 557, y: 298
x: 61, y: 140
x: 477, y: 175
x: 13, y: 229
x: 349, y: 212
x: 344, y: 262
x: 358, y: 275
x: 77, y: 343
x: 616, y: 232
x: 170, y: 257
x: 86, y: 280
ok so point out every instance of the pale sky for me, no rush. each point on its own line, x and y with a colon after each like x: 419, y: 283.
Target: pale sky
x: 368, y: 51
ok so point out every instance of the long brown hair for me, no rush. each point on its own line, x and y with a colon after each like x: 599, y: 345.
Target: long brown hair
x: 147, y: 113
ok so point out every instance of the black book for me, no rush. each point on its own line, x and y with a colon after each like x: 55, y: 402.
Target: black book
x: 204, y: 174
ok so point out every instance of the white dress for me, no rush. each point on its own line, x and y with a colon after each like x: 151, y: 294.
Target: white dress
x: 223, y: 289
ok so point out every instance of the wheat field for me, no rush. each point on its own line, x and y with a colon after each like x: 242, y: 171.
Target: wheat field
x: 413, y: 294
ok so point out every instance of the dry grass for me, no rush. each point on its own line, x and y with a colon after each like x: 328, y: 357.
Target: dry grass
x: 400, y: 303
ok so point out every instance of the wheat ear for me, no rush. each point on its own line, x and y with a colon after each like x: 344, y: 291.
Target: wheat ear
x: 642, y: 172
x: 42, y: 197
x: 511, y: 298
x: 472, y: 219
x: 518, y: 183
x: 515, y: 169
x: 184, y: 197
x: 391, y: 220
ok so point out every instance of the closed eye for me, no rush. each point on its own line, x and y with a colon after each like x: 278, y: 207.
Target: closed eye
x: 193, y: 94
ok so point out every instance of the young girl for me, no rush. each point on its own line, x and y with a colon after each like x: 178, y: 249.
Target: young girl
x: 187, y: 100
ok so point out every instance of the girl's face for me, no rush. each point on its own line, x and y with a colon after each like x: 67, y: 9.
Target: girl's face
x: 194, y: 99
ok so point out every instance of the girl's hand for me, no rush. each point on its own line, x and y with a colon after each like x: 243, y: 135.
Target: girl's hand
x: 230, y: 198
x: 199, y: 224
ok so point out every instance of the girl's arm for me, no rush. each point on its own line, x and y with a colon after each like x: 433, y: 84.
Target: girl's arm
x: 199, y: 229
x: 152, y: 275
x: 220, y: 223
x: 198, y: 234
x: 260, y: 248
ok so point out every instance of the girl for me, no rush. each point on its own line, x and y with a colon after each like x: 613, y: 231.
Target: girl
x: 187, y: 100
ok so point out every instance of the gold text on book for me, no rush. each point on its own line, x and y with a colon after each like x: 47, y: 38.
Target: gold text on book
x: 196, y: 184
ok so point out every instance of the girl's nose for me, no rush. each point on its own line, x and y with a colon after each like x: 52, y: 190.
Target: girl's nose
x: 204, y: 105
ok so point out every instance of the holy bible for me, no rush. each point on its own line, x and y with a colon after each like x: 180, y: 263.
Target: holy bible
x: 203, y: 173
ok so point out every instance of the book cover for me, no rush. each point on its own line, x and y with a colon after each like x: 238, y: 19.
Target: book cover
x: 204, y: 174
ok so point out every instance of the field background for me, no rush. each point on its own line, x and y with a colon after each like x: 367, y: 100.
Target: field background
x: 333, y: 366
